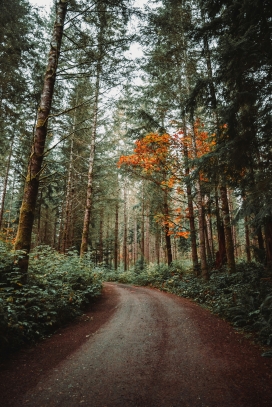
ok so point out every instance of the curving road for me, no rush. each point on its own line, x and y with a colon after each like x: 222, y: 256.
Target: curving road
x: 158, y: 350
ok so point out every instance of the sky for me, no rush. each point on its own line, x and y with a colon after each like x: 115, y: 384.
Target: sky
x: 135, y: 49
x: 46, y: 4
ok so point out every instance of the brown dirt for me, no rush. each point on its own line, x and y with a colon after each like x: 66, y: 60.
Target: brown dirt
x: 140, y: 348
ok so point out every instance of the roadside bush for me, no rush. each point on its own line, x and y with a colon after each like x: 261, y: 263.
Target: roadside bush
x: 58, y: 288
x: 152, y: 275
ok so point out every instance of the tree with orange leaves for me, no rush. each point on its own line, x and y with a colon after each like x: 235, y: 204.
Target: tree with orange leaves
x: 152, y: 160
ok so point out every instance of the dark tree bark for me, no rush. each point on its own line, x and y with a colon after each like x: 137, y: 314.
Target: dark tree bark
x: 101, y: 246
x: 221, y: 256
x: 166, y: 231
x: 125, y: 232
x: 143, y: 230
x: 88, y: 207
x: 87, y: 213
x: 23, y: 238
x: 248, y: 253
x: 191, y: 215
x: 227, y: 228
x: 116, y: 236
x: 268, y: 241
x: 6, y: 183
x: 199, y: 199
x: 68, y: 200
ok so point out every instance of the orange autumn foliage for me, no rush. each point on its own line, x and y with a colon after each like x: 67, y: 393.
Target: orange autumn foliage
x: 155, y: 154
x: 150, y: 153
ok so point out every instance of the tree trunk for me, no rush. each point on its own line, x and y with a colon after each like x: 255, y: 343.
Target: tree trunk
x: 202, y: 248
x: 68, y: 199
x: 9, y: 232
x: 107, y: 251
x: 125, y: 231
x: 143, y: 230
x: 100, y: 40
x: 248, y: 254
x: 135, y: 239
x: 166, y: 231
x: 116, y: 236
x: 207, y: 243
x: 38, y: 240
x: 221, y: 255
x: 227, y: 228
x: 191, y: 215
x: 88, y: 207
x: 101, y: 248
x: 5, y: 183
x: 26, y: 219
x: 147, y: 237
x: 268, y: 241
x: 158, y: 246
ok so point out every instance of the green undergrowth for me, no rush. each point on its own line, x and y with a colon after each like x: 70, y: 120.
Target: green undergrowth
x: 243, y: 298
x: 59, y: 287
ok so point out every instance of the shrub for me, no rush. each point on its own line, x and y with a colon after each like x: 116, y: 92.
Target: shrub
x: 58, y: 288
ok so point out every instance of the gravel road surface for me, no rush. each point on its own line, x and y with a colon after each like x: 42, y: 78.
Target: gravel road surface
x: 158, y: 350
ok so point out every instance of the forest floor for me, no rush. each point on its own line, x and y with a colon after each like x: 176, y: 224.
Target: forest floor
x: 139, y: 347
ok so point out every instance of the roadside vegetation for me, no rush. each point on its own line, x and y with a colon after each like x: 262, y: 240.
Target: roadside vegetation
x: 58, y: 289
x: 243, y: 298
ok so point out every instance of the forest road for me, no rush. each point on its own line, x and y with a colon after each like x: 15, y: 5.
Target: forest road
x: 158, y: 350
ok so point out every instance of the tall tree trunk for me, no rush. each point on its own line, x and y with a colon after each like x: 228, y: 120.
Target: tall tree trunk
x: 101, y: 248
x: 202, y: 248
x: 125, y: 231
x: 69, y: 191
x: 26, y: 219
x: 233, y: 228
x: 248, y: 254
x: 45, y: 229
x: 187, y: 170
x: 116, y: 227
x: 268, y: 241
x: 5, y: 184
x: 102, y: 8
x: 38, y: 241
x: 191, y: 215
x: 107, y: 248
x: 207, y: 242
x: 135, y: 239
x: 9, y: 234
x: 210, y: 227
x: 143, y: 230
x: 166, y: 231
x: 227, y: 228
x: 223, y: 189
x: 88, y: 207
x: 261, y: 251
x: 158, y: 246
x: 147, y: 235
x: 60, y: 226
x: 221, y: 255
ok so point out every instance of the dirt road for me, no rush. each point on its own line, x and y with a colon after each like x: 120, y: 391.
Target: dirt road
x: 157, y: 350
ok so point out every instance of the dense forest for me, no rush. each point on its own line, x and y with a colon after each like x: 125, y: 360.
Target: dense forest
x: 134, y: 137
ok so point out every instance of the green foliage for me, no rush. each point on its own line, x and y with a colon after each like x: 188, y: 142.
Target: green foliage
x: 152, y: 275
x: 58, y: 288
x: 243, y: 298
